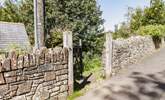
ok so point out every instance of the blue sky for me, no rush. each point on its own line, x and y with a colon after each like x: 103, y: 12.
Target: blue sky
x: 114, y: 10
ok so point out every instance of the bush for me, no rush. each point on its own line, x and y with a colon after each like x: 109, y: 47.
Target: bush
x: 91, y: 62
x: 156, y: 31
x: 153, y: 30
x: 19, y: 49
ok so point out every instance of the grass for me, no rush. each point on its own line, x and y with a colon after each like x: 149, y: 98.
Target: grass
x: 75, y: 95
x: 96, y: 72
x: 92, y: 65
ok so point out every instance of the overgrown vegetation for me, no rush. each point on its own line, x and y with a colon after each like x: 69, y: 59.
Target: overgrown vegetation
x: 82, y: 17
x: 92, y: 63
x: 156, y: 31
x: 92, y: 66
x: 20, y: 50
x: 153, y: 30
x: 147, y: 21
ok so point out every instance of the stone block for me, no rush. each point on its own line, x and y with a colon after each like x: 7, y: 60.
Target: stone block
x: 3, y: 90
x: 10, y: 74
x: 57, y: 52
x: 63, y: 88
x: 32, y: 61
x: 20, y: 62
x: 2, y: 81
x: 42, y: 59
x: 54, y: 93
x: 57, y: 88
x: 30, y: 71
x: 19, y: 72
x: 54, y: 98
x: 48, y: 56
x: 65, y: 52
x: 22, y: 78
x: 24, y: 88
x: 13, y: 87
x: 41, y: 93
x: 64, y: 71
x: 59, y: 67
x: 22, y: 97
x: 45, y: 68
x: 6, y: 65
x: 49, y: 76
x: 26, y: 61
x: 54, y: 57
x: 63, y: 77
x: 65, y: 82
x: 58, y: 83
x: 48, y: 83
x: 63, y: 96
x: 11, y: 79
x: 14, y: 63
x: 61, y: 72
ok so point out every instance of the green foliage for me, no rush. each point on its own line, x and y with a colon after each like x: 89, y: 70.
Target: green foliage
x: 152, y: 15
x: 153, y: 30
x: 19, y: 49
x: 123, y: 32
x: 83, y: 17
x: 91, y: 62
x: 19, y: 11
x: 75, y: 95
x: 54, y: 39
x: 139, y: 18
x: 10, y: 11
x: 136, y: 19
x: 155, y: 14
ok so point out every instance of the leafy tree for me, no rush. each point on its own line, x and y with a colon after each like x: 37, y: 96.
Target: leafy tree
x: 18, y: 11
x: 83, y: 17
x: 156, y: 31
x: 139, y: 18
x: 153, y: 30
x: 123, y: 31
x: 10, y: 11
x: 155, y: 14
x: 152, y: 15
x: 136, y: 19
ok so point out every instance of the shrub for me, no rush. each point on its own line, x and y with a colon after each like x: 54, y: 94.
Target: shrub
x: 153, y: 30
x: 91, y: 62
x: 19, y: 49
x: 156, y: 31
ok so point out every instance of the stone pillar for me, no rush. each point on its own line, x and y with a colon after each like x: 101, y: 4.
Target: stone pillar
x: 108, y: 55
x: 68, y: 43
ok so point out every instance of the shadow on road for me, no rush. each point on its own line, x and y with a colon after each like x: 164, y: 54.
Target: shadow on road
x: 144, y: 87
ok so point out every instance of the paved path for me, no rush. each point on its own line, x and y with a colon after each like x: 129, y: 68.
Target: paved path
x: 143, y: 81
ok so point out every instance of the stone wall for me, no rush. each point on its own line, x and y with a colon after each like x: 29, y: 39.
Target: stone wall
x: 131, y: 50
x: 39, y: 76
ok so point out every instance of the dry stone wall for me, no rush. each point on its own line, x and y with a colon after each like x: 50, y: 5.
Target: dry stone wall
x: 129, y: 51
x: 39, y: 76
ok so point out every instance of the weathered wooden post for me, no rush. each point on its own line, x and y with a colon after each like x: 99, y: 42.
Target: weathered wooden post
x: 39, y: 23
x: 162, y: 41
x: 68, y: 43
x: 108, y: 55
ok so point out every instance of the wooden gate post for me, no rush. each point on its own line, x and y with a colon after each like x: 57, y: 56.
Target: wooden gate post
x: 108, y: 53
x: 162, y: 41
x: 68, y: 43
